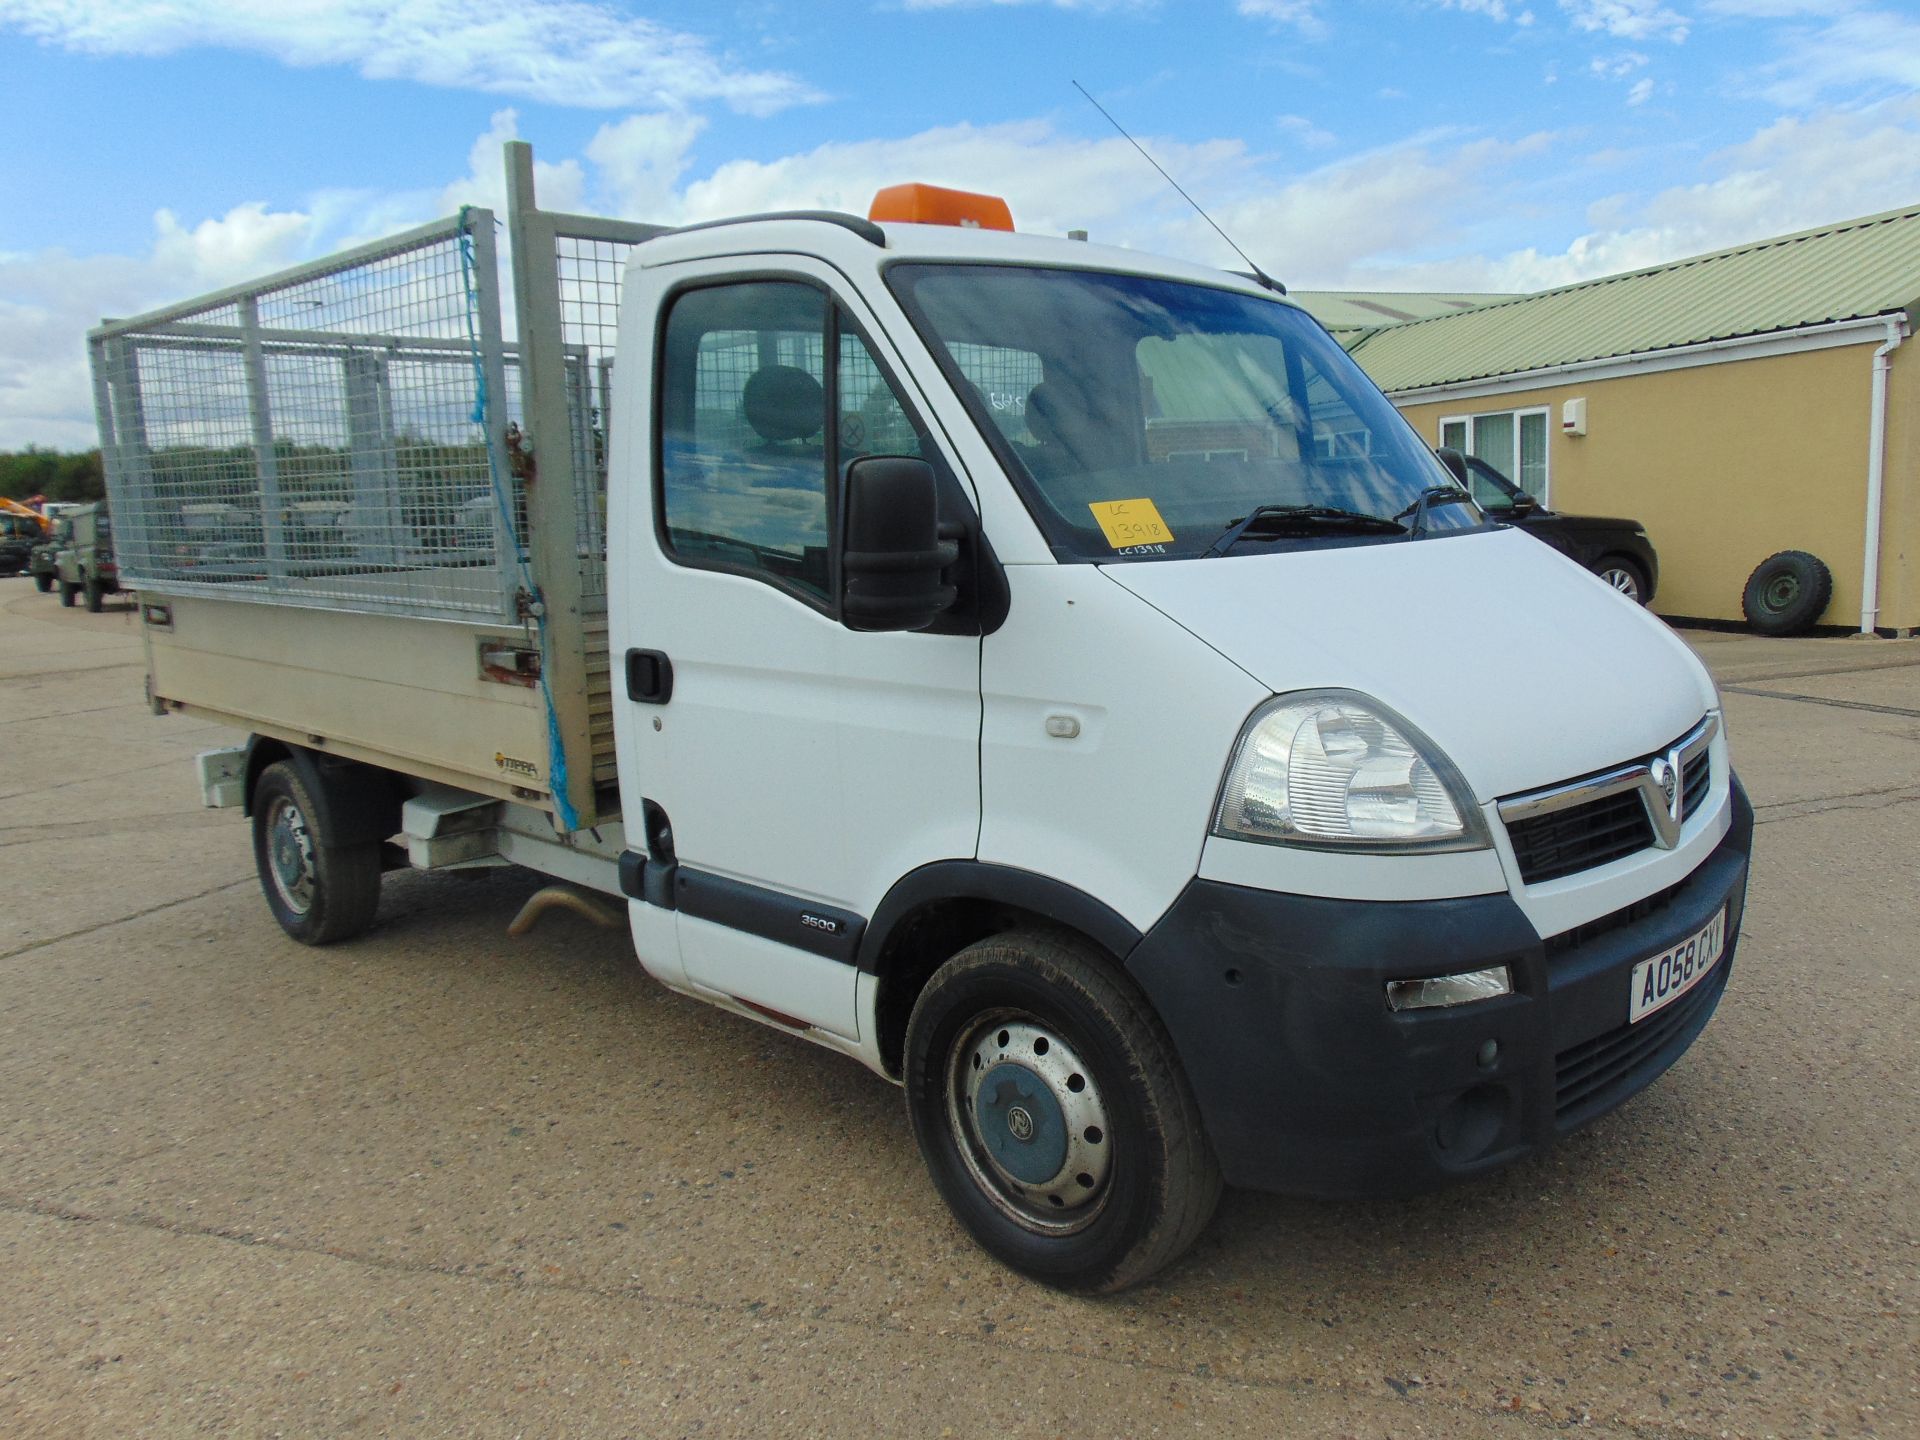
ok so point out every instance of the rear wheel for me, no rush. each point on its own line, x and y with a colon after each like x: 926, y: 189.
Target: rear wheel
x: 318, y: 889
x: 67, y: 593
x: 93, y: 595
x: 43, y: 583
x: 1053, y: 1114
x: 1625, y: 576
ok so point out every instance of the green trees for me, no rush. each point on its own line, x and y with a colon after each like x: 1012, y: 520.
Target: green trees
x: 51, y: 473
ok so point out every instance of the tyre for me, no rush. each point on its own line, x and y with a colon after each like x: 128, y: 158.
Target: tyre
x: 66, y: 593
x: 1787, y: 593
x: 93, y: 595
x: 43, y: 583
x: 1624, y: 575
x: 1053, y: 1115
x: 318, y: 890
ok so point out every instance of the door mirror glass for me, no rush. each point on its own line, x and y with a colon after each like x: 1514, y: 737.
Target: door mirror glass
x: 1456, y: 462
x: 895, y: 561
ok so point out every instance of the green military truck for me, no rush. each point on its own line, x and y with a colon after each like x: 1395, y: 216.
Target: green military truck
x: 84, y: 564
x: 42, y: 564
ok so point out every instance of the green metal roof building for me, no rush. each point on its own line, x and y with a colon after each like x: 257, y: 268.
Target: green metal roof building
x: 1747, y: 401
x: 1352, y: 314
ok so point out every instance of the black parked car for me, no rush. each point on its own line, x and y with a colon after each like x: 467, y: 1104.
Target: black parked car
x: 1618, y: 551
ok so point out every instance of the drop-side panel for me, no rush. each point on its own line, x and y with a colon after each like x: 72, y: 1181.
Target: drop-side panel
x: 407, y: 694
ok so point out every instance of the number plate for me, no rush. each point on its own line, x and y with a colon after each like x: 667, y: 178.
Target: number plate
x: 1670, y: 974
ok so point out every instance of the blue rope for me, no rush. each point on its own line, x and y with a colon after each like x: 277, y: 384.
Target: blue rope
x: 503, y: 500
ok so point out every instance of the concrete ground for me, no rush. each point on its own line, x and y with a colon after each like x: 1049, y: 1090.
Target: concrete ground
x: 440, y: 1182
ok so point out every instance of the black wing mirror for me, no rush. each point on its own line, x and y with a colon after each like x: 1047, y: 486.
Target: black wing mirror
x: 894, y: 561
x: 1454, y: 461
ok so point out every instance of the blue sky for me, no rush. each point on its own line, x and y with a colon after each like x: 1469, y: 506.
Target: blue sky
x: 159, y: 148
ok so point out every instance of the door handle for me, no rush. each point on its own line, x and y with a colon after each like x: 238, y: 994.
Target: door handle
x: 649, y: 677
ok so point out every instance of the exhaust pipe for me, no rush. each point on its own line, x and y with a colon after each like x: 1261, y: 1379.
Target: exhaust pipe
x: 559, y: 897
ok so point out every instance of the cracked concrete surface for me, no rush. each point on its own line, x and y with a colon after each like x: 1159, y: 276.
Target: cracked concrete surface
x: 437, y: 1182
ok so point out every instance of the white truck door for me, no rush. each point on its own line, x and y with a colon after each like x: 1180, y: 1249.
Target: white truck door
x: 799, y: 767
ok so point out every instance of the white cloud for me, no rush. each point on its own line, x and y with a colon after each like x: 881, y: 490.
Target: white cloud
x: 1057, y: 4
x: 563, y: 52
x: 49, y: 300
x: 1400, y: 216
x: 1308, y: 229
x: 1492, y: 9
x: 1628, y: 19
x: 1052, y: 182
x: 1299, y: 130
x: 559, y: 186
x: 1304, y: 15
x: 1617, y: 67
x: 1874, y: 51
x: 1779, y: 9
x: 1794, y: 174
x: 1319, y: 230
x: 640, y: 162
x: 1641, y: 92
x: 245, y: 241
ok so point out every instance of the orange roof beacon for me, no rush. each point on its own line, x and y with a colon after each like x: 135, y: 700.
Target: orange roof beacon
x: 934, y: 205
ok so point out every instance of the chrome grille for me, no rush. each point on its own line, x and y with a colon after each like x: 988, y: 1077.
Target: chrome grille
x: 1608, y: 816
x: 1565, y: 842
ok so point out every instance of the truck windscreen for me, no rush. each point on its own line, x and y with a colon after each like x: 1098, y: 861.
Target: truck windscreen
x: 1144, y: 418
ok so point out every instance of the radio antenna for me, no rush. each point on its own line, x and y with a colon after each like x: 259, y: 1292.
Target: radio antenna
x: 1258, y: 274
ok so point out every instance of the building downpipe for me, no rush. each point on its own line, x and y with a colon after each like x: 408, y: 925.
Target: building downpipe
x: 1876, y: 473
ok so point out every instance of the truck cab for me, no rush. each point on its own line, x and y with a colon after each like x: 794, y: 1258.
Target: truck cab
x: 1196, y: 775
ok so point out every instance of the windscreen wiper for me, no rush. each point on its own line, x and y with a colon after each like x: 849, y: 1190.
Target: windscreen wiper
x: 1285, y: 519
x: 1431, y: 496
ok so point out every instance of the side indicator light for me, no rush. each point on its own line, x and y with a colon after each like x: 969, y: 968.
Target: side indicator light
x: 932, y: 205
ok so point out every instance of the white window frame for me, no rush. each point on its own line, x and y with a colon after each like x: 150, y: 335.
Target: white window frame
x: 1510, y: 465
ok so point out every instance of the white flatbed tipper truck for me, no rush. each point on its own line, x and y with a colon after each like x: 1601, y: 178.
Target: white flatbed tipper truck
x: 1041, y: 672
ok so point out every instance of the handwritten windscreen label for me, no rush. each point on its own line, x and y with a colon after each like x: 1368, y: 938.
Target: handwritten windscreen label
x: 1127, y: 523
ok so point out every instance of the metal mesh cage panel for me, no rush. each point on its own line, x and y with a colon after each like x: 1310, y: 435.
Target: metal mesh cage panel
x: 315, y: 439
x: 590, y: 272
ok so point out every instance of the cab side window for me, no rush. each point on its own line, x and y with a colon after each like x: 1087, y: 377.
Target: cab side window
x: 872, y: 419
x: 744, y: 446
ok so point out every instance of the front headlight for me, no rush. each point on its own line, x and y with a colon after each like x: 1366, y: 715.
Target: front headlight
x: 1333, y: 769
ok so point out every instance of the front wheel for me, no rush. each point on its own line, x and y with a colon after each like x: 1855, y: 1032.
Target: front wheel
x: 1625, y: 576
x: 43, y: 583
x: 318, y: 889
x: 67, y: 593
x: 1053, y: 1114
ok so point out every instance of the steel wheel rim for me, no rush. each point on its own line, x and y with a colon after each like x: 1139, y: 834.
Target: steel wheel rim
x: 1012, y: 1071
x: 290, y: 855
x: 1781, y: 592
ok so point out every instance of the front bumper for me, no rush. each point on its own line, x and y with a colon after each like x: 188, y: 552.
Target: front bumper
x: 1310, y: 1085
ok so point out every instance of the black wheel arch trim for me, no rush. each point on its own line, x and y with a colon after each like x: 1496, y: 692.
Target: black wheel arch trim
x: 837, y: 934
x: 358, y: 803
x: 982, y: 880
